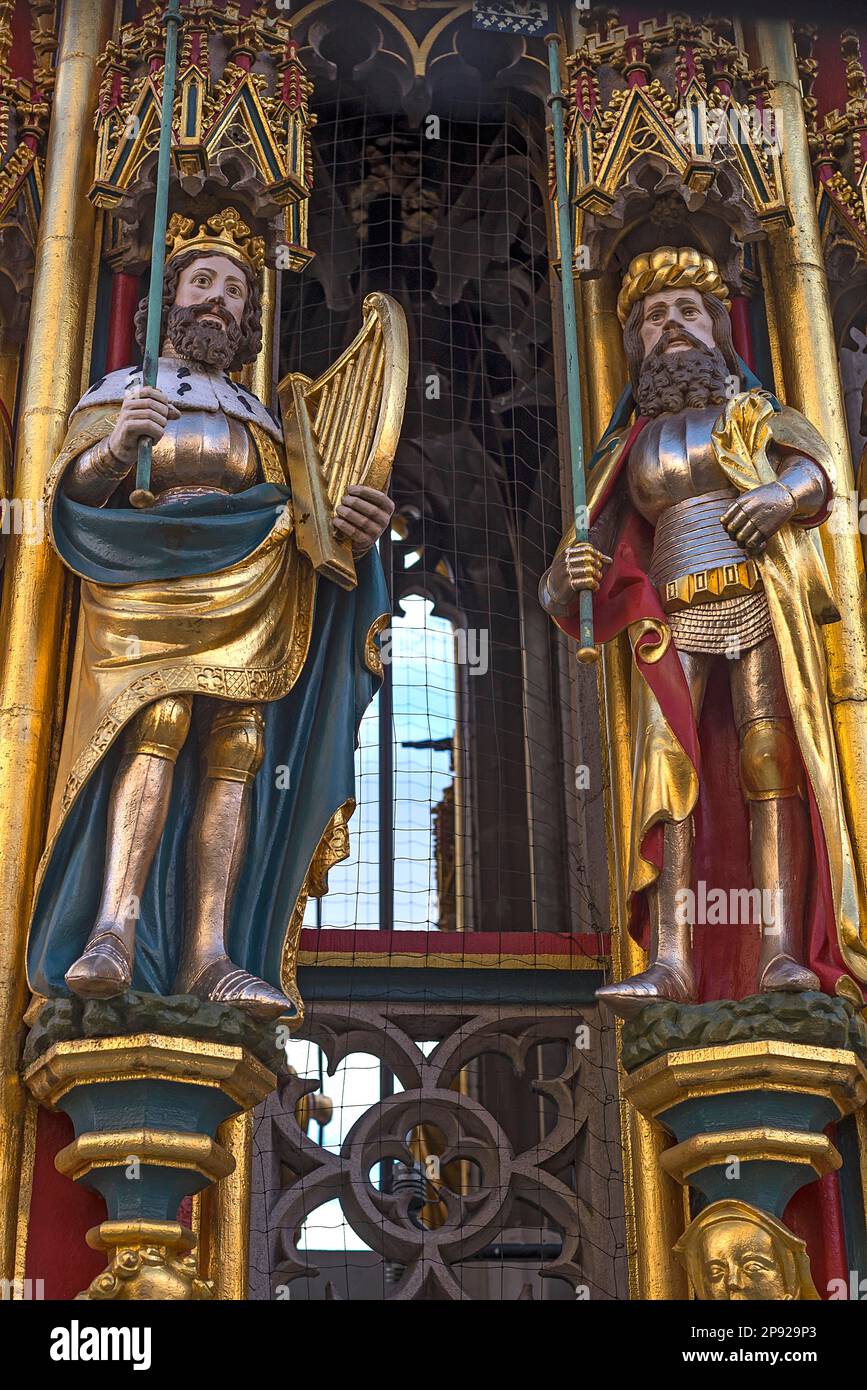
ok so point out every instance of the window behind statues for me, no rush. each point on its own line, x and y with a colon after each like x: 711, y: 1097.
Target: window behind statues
x: 421, y: 651
x: 449, y: 217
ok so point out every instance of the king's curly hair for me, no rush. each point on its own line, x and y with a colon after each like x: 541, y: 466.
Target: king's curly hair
x: 250, y: 340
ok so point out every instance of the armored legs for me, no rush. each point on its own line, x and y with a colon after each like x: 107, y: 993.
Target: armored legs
x: 137, y: 814
x: 772, y: 783
x: 233, y: 756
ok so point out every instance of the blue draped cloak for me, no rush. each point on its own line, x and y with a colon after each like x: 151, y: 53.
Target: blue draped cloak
x: 310, y: 736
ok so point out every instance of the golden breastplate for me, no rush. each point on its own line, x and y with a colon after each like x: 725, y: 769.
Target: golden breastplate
x: 204, y: 451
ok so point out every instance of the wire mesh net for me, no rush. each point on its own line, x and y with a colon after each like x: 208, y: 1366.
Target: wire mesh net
x: 468, y: 820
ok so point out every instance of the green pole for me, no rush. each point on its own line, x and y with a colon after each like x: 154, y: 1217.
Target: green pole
x: 587, y: 647
x: 142, y: 496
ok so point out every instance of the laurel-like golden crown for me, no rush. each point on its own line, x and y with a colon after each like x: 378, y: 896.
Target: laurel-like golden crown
x: 667, y: 268
x: 225, y: 233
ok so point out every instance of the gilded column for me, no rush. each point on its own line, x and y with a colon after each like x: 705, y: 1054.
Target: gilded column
x: 30, y: 618
x: 224, y: 1232
x: 654, y: 1203
x: 259, y: 377
x: 9, y: 357
x: 802, y: 313
x: 605, y: 357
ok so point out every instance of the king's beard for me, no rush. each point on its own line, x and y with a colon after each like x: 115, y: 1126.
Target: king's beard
x: 203, y: 342
x: 690, y: 378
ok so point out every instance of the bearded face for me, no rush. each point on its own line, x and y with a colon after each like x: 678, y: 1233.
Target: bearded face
x: 680, y: 352
x: 195, y: 335
x: 693, y: 376
x: 212, y: 312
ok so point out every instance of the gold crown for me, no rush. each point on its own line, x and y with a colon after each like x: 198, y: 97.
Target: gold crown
x: 666, y: 268
x: 226, y: 233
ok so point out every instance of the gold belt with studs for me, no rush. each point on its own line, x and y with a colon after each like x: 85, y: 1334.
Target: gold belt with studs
x: 710, y: 586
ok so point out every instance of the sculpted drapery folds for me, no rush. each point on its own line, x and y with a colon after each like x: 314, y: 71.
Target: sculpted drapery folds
x: 218, y: 680
x: 702, y: 495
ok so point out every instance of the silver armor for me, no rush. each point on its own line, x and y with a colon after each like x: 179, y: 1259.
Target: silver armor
x: 708, y: 586
x: 202, y: 451
x: 207, y: 449
x: 672, y: 460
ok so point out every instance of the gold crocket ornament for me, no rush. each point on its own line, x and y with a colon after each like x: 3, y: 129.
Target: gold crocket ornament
x: 224, y: 655
x: 149, y: 1261
x: 702, y: 495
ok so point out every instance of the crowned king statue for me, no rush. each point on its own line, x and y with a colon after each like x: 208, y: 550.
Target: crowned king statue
x: 206, y: 770
x: 703, y: 497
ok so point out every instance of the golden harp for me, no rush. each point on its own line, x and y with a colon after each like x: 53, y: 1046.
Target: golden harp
x: 342, y: 429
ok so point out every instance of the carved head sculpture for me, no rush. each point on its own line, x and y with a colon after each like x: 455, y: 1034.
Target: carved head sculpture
x: 733, y: 1251
x: 676, y: 330
x: 212, y: 304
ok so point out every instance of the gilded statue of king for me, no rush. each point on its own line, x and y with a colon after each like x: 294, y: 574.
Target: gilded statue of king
x: 206, y: 769
x: 703, y: 496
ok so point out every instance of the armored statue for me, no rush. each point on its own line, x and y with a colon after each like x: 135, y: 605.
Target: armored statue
x: 218, y: 681
x: 702, y: 496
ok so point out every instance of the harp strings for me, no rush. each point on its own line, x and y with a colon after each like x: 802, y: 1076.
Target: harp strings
x: 352, y: 457
x: 345, y: 412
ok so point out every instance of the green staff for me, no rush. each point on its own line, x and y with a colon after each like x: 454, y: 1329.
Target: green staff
x: 142, y: 496
x: 587, y: 648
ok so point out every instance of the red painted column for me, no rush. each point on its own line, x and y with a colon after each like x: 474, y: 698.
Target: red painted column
x: 61, y: 1214
x: 815, y: 1214
x: 125, y: 296
x: 742, y: 333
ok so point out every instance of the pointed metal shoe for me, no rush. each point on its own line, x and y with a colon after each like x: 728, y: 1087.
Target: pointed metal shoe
x: 660, y: 981
x: 222, y: 982
x: 785, y: 974
x: 104, y: 968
